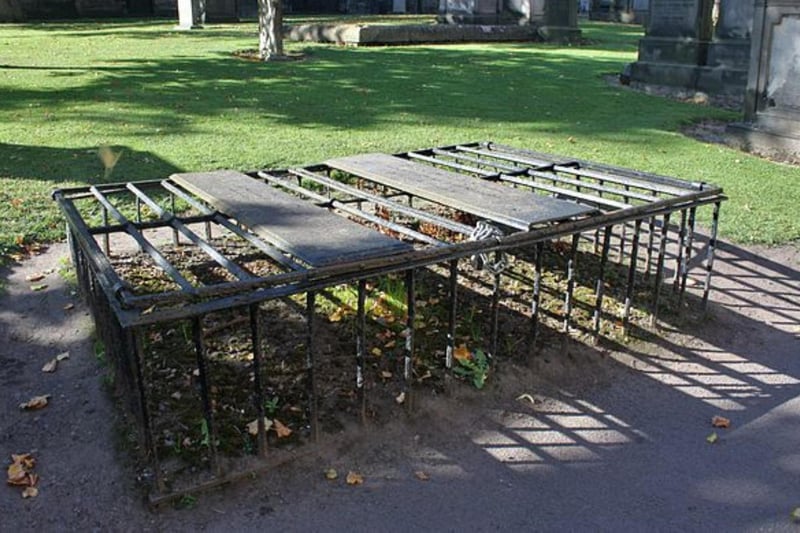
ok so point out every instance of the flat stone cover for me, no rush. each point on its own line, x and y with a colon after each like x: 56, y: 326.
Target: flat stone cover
x: 311, y: 233
x: 483, y: 198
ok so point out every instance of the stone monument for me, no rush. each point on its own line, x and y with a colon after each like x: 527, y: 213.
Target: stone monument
x: 696, y: 45
x: 772, y: 100
x: 556, y: 19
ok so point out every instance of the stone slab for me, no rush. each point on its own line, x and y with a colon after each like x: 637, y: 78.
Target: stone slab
x: 365, y: 35
x: 311, y: 233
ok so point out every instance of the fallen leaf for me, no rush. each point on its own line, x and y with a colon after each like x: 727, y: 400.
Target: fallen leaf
x: 526, y: 396
x: 37, y: 402
x: 376, y: 352
x: 795, y: 515
x: 16, y: 474
x: 391, y: 344
x: 60, y: 357
x: 462, y: 353
x: 37, y: 288
x: 50, y: 366
x: 400, y: 398
x: 331, y: 474
x: 252, y: 427
x: 720, y: 422
x: 30, y: 492
x: 422, y: 475
x: 69, y: 307
x: 33, y: 278
x: 281, y: 429
x: 385, y: 374
x: 713, y: 438
x: 354, y: 478
x: 176, y: 395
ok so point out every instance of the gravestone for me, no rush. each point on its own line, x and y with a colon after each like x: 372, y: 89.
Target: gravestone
x: 627, y: 11
x: 556, y: 19
x: 687, y: 44
x: 772, y: 100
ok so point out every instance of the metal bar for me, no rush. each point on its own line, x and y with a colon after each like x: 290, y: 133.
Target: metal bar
x: 175, y: 238
x: 450, y: 164
x: 360, y: 349
x: 243, y: 292
x: 687, y: 256
x: 451, y: 318
x: 562, y: 191
x: 643, y: 180
x: 408, y: 359
x: 571, y: 266
x: 495, y: 325
x: 676, y: 276
x: 159, y: 259
x: 651, y: 235
x: 712, y: 245
x: 600, y: 284
x: 311, y: 385
x: 342, y: 206
x: 662, y: 246
x: 537, y: 292
x: 106, y: 240
x: 258, y: 384
x: 410, y: 211
x: 142, y: 397
x: 210, y: 434
x: 631, y: 278
x: 263, y: 246
x: 212, y: 252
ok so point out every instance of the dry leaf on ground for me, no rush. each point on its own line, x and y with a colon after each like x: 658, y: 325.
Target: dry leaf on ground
x: 20, y: 473
x: 354, y: 478
x: 50, y: 366
x: 37, y: 402
x: 385, y: 374
x: 720, y: 422
x: 713, y: 438
x: 400, y: 398
x: 422, y: 475
x: 34, y: 277
x: 69, y: 307
x: 60, y: 357
x: 281, y: 429
x: 30, y: 492
x: 37, y: 288
x: 331, y: 474
x: 795, y: 515
x: 462, y: 353
x: 252, y: 427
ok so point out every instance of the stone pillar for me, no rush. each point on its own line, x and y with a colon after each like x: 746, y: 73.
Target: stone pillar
x: 772, y: 100
x: 561, y: 20
x: 191, y: 14
x: 683, y: 47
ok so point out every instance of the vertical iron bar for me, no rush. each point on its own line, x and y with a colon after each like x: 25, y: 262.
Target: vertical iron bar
x: 495, y: 325
x: 451, y: 325
x: 662, y: 246
x: 650, y: 242
x: 147, y: 422
x: 537, y: 292
x: 600, y: 287
x: 631, y: 278
x: 311, y: 385
x: 174, y: 230
x: 687, y: 255
x: 208, y: 230
x: 712, y: 245
x: 571, y: 265
x: 360, y: 348
x: 676, y: 276
x: 205, y: 393
x: 138, y: 210
x: 106, y: 239
x: 258, y: 384
x: 623, y: 232
x: 408, y: 360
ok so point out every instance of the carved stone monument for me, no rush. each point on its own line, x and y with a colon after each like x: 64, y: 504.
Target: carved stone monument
x: 692, y: 44
x: 772, y: 102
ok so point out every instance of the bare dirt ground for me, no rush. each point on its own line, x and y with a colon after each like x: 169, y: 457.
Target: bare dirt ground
x: 603, y: 438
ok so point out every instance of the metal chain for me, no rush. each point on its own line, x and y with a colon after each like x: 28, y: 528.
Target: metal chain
x: 481, y: 261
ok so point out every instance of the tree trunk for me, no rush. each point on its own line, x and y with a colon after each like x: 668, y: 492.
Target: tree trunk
x: 270, y: 29
x: 10, y: 11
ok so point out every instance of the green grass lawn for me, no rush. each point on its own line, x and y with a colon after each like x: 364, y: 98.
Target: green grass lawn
x: 174, y: 101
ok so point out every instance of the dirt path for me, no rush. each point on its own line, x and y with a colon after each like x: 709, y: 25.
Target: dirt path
x: 608, y: 438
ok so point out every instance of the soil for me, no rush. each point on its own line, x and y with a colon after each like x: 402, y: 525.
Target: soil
x: 89, y: 482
